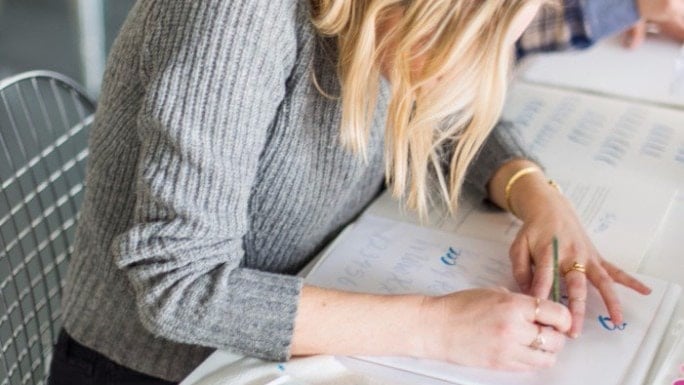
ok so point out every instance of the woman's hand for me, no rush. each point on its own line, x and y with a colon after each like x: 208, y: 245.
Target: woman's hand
x: 494, y: 328
x: 666, y: 15
x: 547, y: 213
x: 662, y: 10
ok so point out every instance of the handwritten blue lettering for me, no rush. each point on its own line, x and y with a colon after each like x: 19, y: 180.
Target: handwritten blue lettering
x: 451, y: 256
x: 396, y: 284
x: 347, y: 282
x: 608, y: 324
x: 604, y: 222
x: 440, y: 287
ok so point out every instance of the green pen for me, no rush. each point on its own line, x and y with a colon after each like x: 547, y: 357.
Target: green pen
x: 556, y: 274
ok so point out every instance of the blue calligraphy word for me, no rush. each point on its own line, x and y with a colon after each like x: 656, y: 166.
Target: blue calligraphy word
x: 608, y: 324
x: 450, y: 257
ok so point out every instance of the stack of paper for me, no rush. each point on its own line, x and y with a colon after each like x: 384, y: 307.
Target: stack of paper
x: 384, y: 256
x: 652, y: 73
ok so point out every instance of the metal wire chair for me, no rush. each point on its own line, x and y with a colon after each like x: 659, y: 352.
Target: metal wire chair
x: 44, y: 118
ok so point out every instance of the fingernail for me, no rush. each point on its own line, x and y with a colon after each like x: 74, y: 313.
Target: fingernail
x: 574, y: 336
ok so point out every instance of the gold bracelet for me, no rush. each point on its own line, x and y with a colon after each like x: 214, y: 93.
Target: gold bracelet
x: 555, y: 185
x: 509, y: 186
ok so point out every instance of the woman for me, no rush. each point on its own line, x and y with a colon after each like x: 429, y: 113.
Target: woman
x: 233, y: 139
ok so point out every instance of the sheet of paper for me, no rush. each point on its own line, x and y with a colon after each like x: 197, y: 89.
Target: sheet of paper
x: 671, y: 368
x: 654, y: 72
x: 609, y: 213
x: 667, y: 246
x: 383, y: 256
x: 599, y: 138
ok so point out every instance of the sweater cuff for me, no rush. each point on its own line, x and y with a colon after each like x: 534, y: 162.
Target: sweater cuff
x: 500, y: 147
x: 265, y: 306
x: 607, y: 17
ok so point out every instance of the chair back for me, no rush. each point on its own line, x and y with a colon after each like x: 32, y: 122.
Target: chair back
x: 44, y: 119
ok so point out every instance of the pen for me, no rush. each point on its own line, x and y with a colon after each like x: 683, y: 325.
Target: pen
x: 556, y: 274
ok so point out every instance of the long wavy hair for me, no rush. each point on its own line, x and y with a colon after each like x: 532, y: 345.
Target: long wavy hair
x: 439, y: 116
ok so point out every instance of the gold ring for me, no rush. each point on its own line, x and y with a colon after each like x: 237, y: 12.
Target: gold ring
x: 578, y: 299
x: 578, y: 267
x: 538, y: 341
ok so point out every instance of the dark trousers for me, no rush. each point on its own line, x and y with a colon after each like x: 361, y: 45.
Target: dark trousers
x: 75, y: 364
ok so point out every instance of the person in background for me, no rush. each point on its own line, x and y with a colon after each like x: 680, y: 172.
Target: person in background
x: 233, y: 139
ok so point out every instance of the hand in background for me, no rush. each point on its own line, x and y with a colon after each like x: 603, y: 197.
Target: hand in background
x: 666, y: 15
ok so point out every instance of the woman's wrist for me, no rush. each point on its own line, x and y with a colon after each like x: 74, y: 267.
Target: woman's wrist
x: 436, y: 327
x: 530, y: 194
x: 520, y: 187
x: 337, y: 322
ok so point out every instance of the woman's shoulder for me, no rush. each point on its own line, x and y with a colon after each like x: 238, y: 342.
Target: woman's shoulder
x: 206, y: 29
x: 271, y: 18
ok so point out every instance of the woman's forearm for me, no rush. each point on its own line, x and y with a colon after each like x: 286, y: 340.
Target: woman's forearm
x: 479, y: 327
x: 336, y: 322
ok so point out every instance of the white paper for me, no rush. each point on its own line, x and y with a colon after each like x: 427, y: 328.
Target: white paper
x: 667, y: 246
x: 599, y: 138
x: 389, y: 257
x: 607, y: 212
x: 653, y: 72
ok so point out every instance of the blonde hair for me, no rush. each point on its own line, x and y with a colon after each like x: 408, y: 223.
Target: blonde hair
x: 466, y: 49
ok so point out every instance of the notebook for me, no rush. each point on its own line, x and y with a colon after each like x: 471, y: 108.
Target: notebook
x: 619, y: 115
x: 385, y: 256
x: 651, y: 73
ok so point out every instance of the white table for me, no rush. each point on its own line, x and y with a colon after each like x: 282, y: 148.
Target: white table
x: 660, y: 261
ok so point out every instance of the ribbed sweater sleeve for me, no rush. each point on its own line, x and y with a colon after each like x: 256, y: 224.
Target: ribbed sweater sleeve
x: 215, y: 73
x: 501, y: 146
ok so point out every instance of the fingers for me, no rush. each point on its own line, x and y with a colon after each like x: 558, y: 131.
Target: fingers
x: 547, y: 339
x: 605, y: 285
x: 576, y: 283
x: 536, y: 347
x: 674, y: 29
x: 636, y: 35
x: 550, y: 313
x: 543, y: 272
x: 625, y: 279
x: 539, y: 347
x: 661, y: 10
x: 520, y: 260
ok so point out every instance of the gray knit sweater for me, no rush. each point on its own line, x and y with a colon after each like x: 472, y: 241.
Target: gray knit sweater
x: 215, y: 174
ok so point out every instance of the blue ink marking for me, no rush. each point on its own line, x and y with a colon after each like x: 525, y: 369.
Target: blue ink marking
x: 529, y: 112
x: 450, y: 257
x: 605, y: 222
x: 657, y: 141
x: 281, y: 367
x: 448, y: 262
x: 607, y: 324
x: 441, y: 287
x: 347, y: 282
